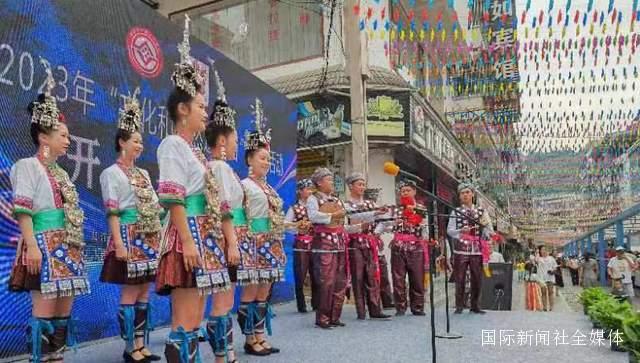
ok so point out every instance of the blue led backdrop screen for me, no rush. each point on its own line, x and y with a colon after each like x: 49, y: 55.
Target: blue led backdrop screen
x: 100, y: 51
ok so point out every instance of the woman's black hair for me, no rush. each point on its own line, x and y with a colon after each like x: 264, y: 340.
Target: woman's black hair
x: 123, y: 135
x: 37, y: 129
x: 177, y: 97
x: 249, y: 153
x: 215, y: 130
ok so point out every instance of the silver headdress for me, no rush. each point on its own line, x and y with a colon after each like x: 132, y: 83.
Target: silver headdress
x: 46, y: 113
x: 222, y: 115
x: 406, y: 183
x: 254, y: 139
x: 186, y: 76
x: 130, y: 118
x: 467, y: 184
x: 319, y: 174
x: 304, y: 183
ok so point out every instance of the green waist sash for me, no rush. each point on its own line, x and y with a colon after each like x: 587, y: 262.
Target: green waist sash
x: 129, y: 216
x: 261, y: 225
x: 47, y: 220
x: 195, y: 205
x: 239, y: 217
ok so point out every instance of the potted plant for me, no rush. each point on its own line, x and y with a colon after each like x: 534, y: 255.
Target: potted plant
x: 599, y: 312
x: 631, y: 337
x: 590, y: 296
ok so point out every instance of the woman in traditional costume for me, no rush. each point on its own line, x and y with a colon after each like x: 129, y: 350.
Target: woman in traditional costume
x: 49, y: 262
x: 192, y: 263
x: 222, y: 139
x: 133, y: 215
x: 262, y: 254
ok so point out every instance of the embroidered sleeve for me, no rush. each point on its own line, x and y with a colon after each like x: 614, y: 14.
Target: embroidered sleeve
x: 23, y: 186
x: 173, y: 173
x: 110, y: 195
x: 223, y: 179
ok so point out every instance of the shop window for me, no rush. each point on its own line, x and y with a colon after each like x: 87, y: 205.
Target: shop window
x: 260, y: 33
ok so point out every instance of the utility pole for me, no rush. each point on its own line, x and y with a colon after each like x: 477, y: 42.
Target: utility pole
x: 358, y: 72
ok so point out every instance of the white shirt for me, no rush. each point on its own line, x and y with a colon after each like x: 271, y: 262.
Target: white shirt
x: 546, y: 264
x: 181, y: 172
x: 257, y: 202
x: 318, y: 217
x: 621, y: 268
x: 313, y: 210
x: 496, y: 257
x: 229, y: 186
x: 454, y: 232
x: 32, y: 190
x: 117, y: 192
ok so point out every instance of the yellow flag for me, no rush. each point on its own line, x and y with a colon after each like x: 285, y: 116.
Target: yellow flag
x: 411, y: 35
x: 402, y: 34
x: 455, y: 35
x: 392, y: 36
x: 591, y: 29
x: 604, y: 28
x: 421, y: 35
x: 443, y: 35
x: 526, y: 33
x: 577, y: 30
x: 564, y: 31
x: 537, y: 32
x: 432, y: 35
x: 383, y: 34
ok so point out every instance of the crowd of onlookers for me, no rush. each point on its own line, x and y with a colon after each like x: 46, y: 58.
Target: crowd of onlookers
x: 542, y: 271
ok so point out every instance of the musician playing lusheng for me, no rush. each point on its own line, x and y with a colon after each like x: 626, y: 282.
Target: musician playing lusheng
x: 302, y: 264
x: 363, y: 250
x: 409, y: 253
x: 470, y: 229
x: 327, y: 213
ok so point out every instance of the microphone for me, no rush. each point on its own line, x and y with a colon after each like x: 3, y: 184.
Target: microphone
x: 391, y: 168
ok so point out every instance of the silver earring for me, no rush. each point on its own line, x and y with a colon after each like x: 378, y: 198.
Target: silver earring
x: 45, y: 152
x: 124, y: 153
x: 223, y: 153
x: 184, y: 122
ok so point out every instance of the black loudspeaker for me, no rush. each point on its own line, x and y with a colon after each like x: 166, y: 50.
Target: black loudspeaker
x: 496, y: 290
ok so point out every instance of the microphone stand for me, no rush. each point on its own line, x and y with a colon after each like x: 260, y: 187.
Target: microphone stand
x: 447, y: 334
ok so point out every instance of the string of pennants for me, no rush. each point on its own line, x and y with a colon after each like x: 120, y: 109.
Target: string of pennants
x: 448, y: 47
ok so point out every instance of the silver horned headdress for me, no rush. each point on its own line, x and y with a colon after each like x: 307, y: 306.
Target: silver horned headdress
x: 130, y: 118
x: 222, y: 115
x: 186, y: 76
x: 46, y: 113
x: 255, y: 139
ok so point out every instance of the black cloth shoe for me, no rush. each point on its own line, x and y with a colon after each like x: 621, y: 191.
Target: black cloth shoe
x: 249, y: 349
x: 325, y: 326
x: 418, y: 313
x: 128, y: 357
x: 478, y: 311
x: 381, y: 317
x: 152, y: 357
x: 337, y: 323
x: 458, y: 311
x: 400, y: 313
x: 271, y: 349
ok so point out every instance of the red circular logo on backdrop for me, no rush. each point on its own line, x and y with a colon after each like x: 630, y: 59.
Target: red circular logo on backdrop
x: 144, y: 52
